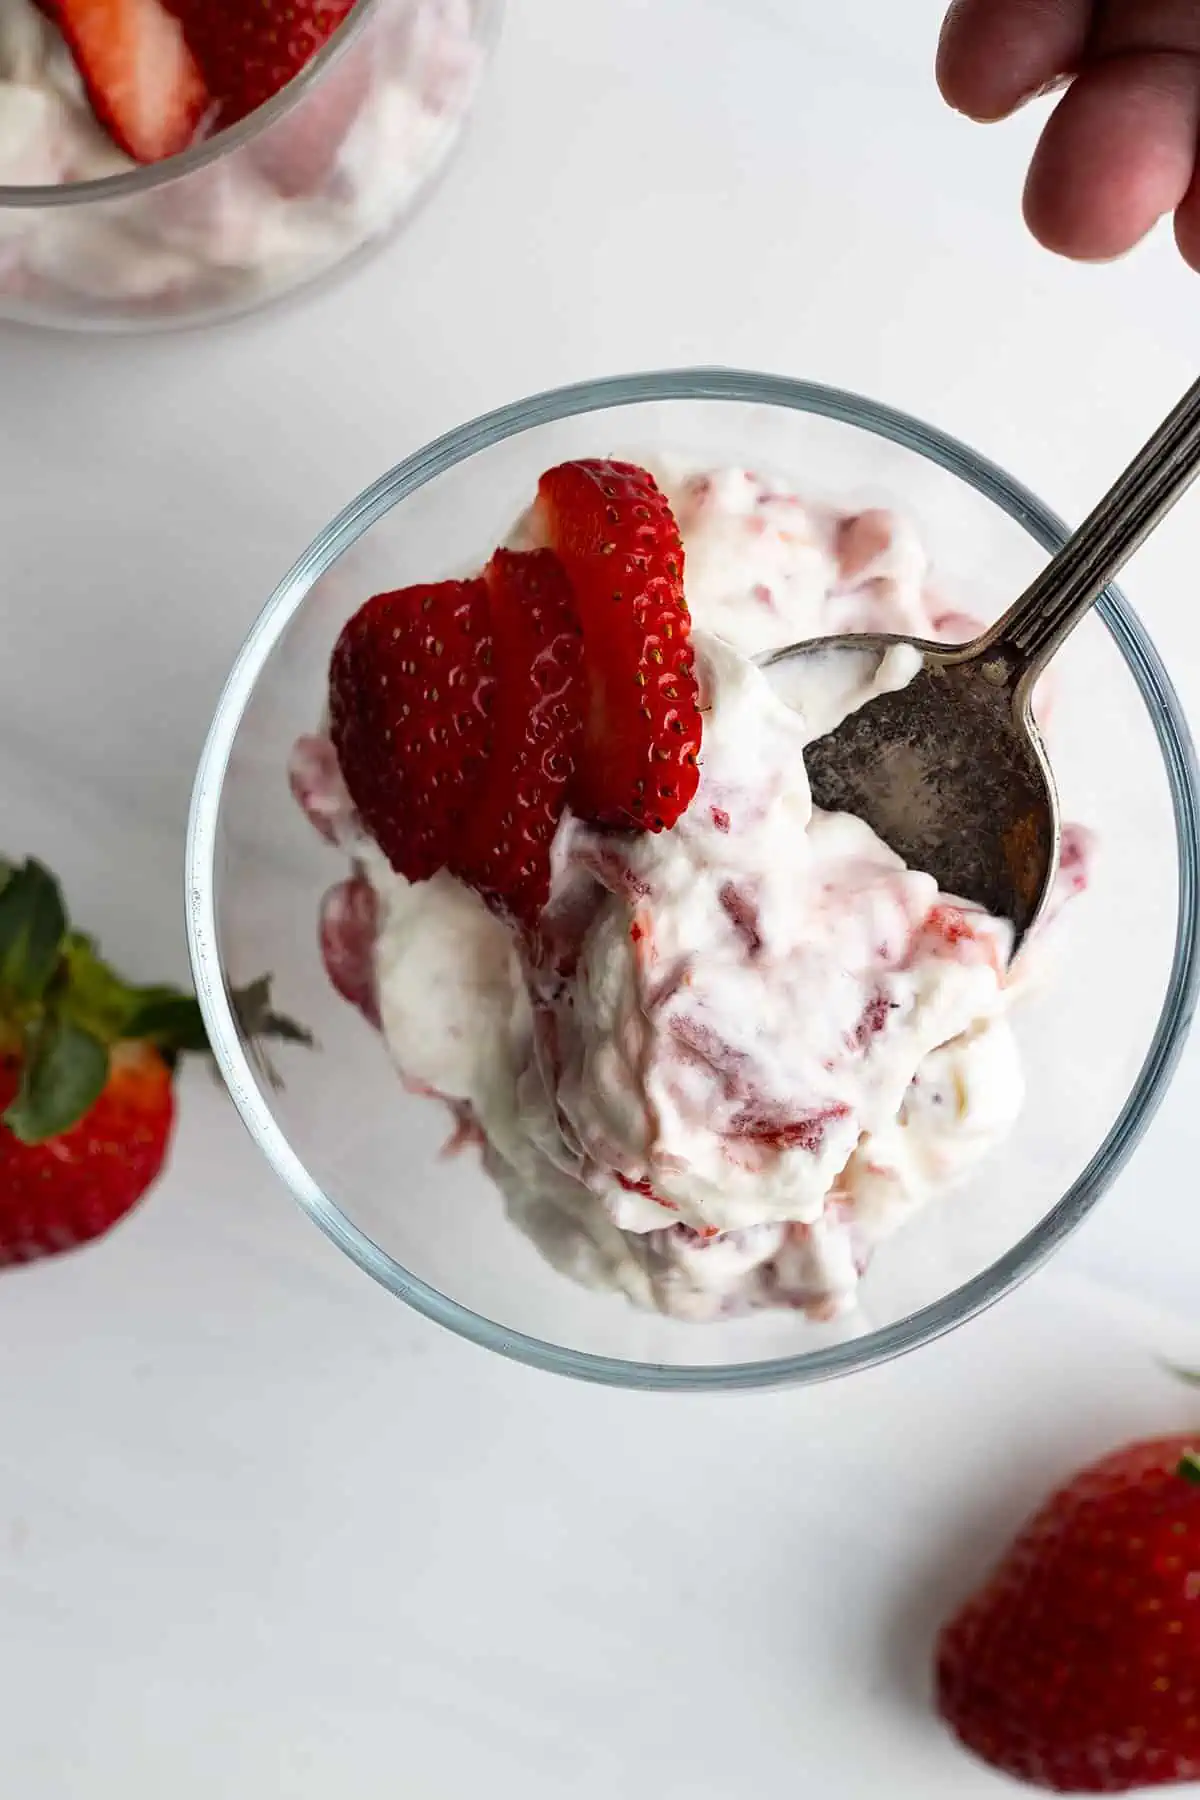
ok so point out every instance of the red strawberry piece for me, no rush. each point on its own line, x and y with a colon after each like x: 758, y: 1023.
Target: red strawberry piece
x: 956, y: 929
x: 875, y: 1015
x: 250, y: 49
x: 504, y: 849
x: 773, y: 1128
x: 617, y: 538
x: 410, y: 687
x: 1077, y: 1666
x: 860, y: 540
x: 643, y: 1187
x: 349, y: 928
x: 1075, y: 858
x: 741, y: 909
x: 143, y: 83
x: 951, y: 923
x: 703, y: 1048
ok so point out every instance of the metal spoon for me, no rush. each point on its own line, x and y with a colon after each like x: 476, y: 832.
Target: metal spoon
x: 950, y: 770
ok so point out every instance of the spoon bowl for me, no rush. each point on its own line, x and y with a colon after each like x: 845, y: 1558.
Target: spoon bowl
x: 936, y: 747
x: 948, y: 769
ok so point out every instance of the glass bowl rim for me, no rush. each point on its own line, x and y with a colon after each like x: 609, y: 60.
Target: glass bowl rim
x: 143, y: 180
x: 842, y: 407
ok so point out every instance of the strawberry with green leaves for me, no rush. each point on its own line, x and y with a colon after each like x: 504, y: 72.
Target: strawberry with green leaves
x: 1076, y: 1667
x: 86, y: 1073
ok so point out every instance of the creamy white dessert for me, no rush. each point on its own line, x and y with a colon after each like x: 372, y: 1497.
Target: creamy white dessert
x: 256, y: 221
x: 741, y: 1052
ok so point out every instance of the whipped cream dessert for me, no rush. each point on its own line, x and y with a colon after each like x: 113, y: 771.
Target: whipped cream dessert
x: 734, y: 1055
x: 329, y: 176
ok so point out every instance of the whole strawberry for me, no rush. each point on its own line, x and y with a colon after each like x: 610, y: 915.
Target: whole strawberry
x: 1077, y: 1666
x: 87, y: 1064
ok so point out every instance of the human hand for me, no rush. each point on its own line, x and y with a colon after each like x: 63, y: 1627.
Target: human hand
x: 1121, y: 148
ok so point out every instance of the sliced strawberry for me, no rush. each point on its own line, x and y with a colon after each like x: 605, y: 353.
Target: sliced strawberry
x: 617, y: 538
x: 410, y: 688
x: 504, y: 850
x: 142, y: 81
x: 250, y: 49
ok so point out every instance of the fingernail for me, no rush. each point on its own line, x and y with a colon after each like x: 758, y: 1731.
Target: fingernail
x: 1055, y: 85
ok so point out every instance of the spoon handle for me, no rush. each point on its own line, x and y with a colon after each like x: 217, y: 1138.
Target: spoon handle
x: 1069, y: 586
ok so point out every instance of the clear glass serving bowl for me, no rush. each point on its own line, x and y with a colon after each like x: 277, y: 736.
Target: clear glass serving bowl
x: 362, y: 1156
x: 328, y: 169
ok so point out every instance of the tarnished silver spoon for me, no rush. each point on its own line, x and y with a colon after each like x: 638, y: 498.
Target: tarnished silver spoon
x: 949, y: 769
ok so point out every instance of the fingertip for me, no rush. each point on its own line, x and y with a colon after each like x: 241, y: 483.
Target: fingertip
x: 958, y: 73
x: 944, y: 62
x: 1066, y: 230
x: 1116, y: 156
x: 970, y: 83
x: 1187, y: 224
x: 993, y: 55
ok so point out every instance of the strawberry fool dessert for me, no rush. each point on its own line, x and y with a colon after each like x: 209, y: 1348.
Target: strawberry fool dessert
x: 712, y: 1044
x: 91, y: 89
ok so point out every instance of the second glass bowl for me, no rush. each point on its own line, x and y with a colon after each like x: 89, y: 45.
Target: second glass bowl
x: 328, y: 168
x: 362, y: 1155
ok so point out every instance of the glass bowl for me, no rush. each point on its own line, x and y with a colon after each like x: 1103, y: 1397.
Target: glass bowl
x: 1100, y: 1041
x: 327, y: 169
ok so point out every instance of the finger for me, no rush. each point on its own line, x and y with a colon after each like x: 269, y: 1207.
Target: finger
x: 1122, y: 25
x: 994, y: 54
x: 1187, y: 224
x: 1116, y: 156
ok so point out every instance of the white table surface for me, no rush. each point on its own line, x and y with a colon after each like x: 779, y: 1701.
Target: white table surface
x: 262, y: 1532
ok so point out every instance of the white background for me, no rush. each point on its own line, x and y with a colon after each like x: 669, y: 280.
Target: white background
x: 262, y: 1533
